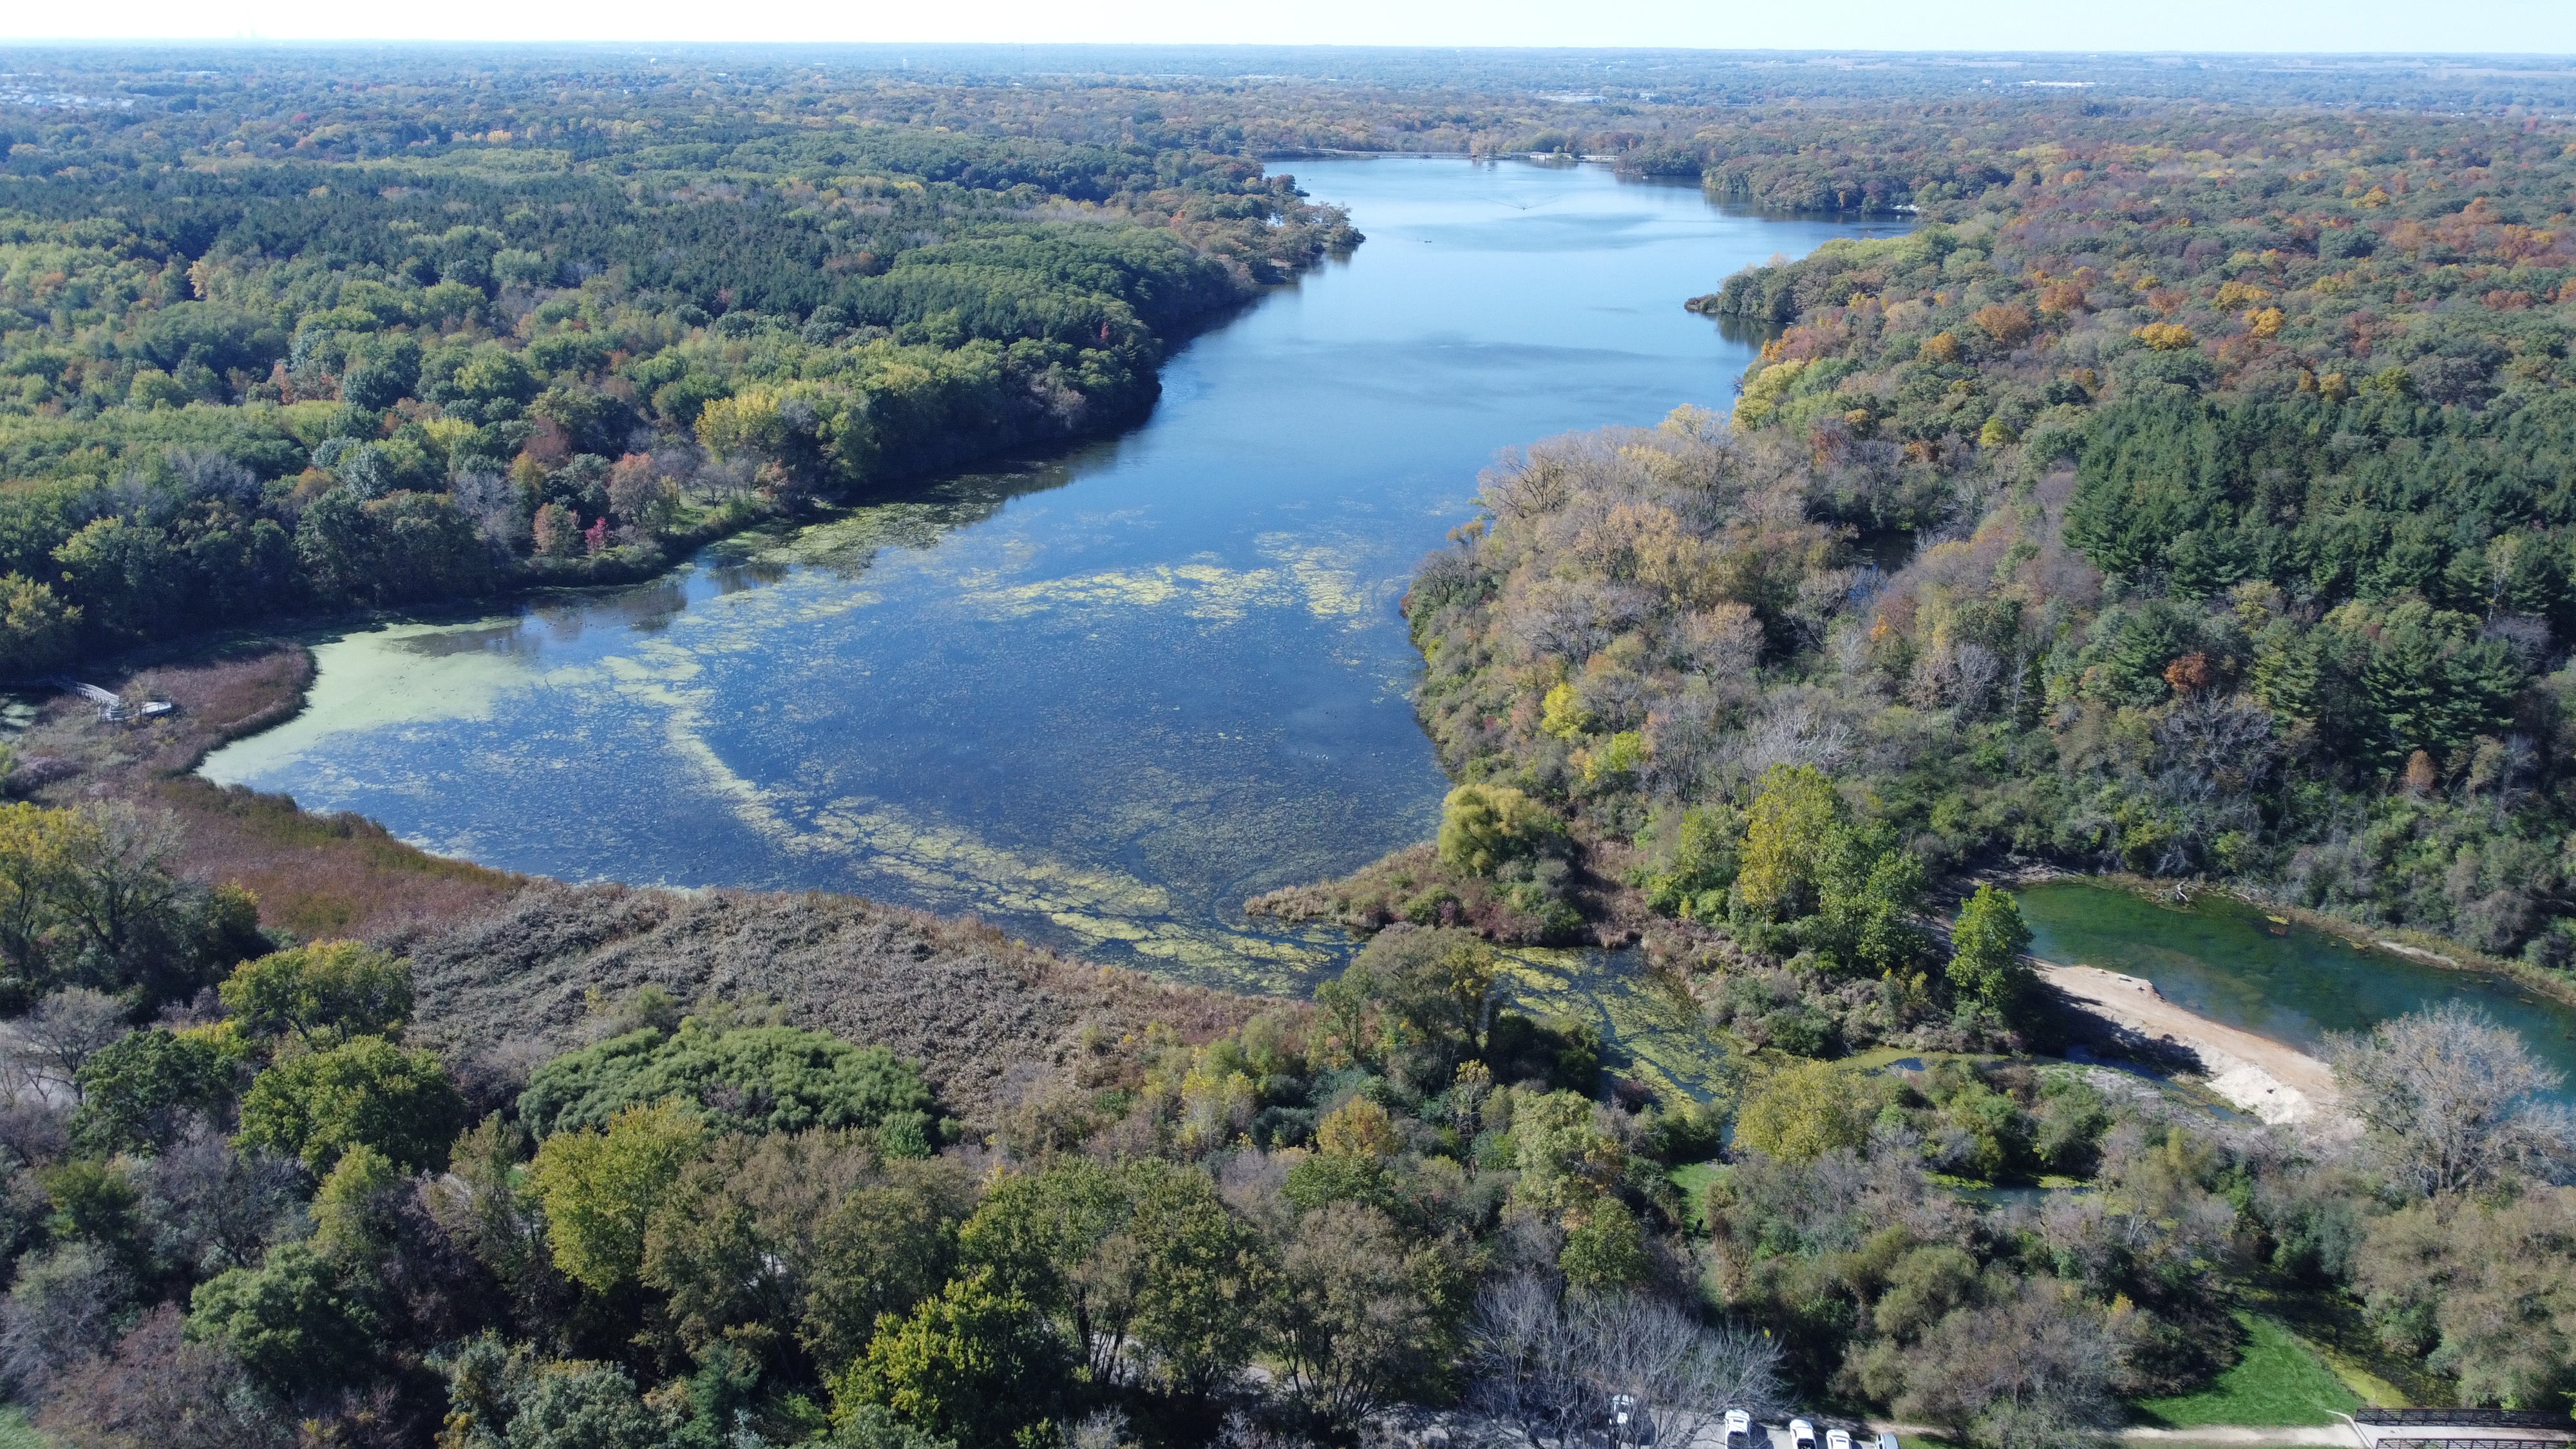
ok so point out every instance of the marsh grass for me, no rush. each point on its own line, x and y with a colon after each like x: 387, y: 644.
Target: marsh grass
x: 314, y: 875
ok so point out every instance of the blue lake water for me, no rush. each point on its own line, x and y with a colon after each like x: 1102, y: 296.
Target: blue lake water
x: 1100, y: 699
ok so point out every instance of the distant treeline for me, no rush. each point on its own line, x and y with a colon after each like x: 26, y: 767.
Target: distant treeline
x: 229, y: 391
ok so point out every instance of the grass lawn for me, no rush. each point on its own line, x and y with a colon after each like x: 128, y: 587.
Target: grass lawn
x: 2280, y: 1382
x: 1693, y: 1180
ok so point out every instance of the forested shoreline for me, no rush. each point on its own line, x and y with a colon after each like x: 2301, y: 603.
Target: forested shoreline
x: 245, y: 386
x: 2184, y: 496
x: 2191, y: 512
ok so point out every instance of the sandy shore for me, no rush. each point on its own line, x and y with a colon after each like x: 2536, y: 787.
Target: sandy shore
x: 2273, y: 1082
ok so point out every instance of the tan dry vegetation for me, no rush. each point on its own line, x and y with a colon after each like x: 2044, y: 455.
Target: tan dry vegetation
x: 507, y: 967
x: 987, y: 1016
x: 314, y: 875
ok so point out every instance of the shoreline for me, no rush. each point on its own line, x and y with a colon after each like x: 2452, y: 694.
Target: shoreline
x: 2273, y: 1081
x: 2422, y: 947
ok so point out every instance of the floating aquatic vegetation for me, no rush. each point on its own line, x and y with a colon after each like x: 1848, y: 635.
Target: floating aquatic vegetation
x: 1101, y: 700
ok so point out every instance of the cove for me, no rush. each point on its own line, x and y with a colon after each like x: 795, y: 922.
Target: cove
x: 1098, y: 699
x: 2226, y: 960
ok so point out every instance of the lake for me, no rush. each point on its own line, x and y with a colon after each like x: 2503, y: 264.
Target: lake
x: 1098, y: 699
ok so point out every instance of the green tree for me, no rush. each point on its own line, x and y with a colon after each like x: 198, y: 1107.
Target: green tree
x: 36, y: 847
x: 1566, y: 1160
x: 1430, y: 994
x: 133, y: 1090
x: 583, y: 1405
x: 350, y: 1222
x: 1605, y: 1249
x: 1788, y: 833
x: 1695, y: 856
x: 347, y: 987
x: 1202, y: 1275
x: 600, y: 1188
x: 874, y: 1426
x: 1865, y: 898
x: 317, y: 1104
x: 1057, y: 1238
x: 1483, y: 826
x: 973, y: 1364
x: 885, y: 1248
x: 1363, y: 1319
x: 1800, y: 1113
x: 94, y: 1201
x: 295, y: 1321
x: 37, y: 629
x: 1987, y: 964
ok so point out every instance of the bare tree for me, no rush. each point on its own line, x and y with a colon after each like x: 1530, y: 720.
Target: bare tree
x: 1101, y: 1429
x: 118, y: 875
x: 1681, y: 1373
x: 492, y: 501
x: 206, y: 473
x: 2453, y: 1101
x: 158, y: 1388
x: 1794, y: 729
x: 1549, y: 1366
x: 1974, y: 672
x: 64, y: 1030
x: 2040, y: 1371
x: 63, y: 1308
x: 1529, y: 1360
x: 211, y: 1208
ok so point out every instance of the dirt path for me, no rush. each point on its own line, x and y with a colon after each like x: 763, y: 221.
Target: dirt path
x: 2273, y: 1082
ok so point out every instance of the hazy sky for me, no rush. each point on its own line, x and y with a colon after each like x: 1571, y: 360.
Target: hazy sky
x: 2451, y: 26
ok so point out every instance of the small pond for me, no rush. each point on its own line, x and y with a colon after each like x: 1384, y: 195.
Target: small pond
x: 2230, y: 962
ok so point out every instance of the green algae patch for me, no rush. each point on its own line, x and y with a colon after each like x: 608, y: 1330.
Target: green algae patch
x: 1647, y: 1035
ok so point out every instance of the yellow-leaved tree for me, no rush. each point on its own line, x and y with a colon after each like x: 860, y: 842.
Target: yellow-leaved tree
x: 1787, y: 835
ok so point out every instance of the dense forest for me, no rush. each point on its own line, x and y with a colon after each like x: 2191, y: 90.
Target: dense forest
x: 2183, y: 495
x: 2186, y: 497
x: 309, y: 1202
x: 2194, y: 506
x: 329, y: 371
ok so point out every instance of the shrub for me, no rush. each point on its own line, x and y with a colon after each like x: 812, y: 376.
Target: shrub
x: 1800, y: 1113
x: 749, y: 1079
